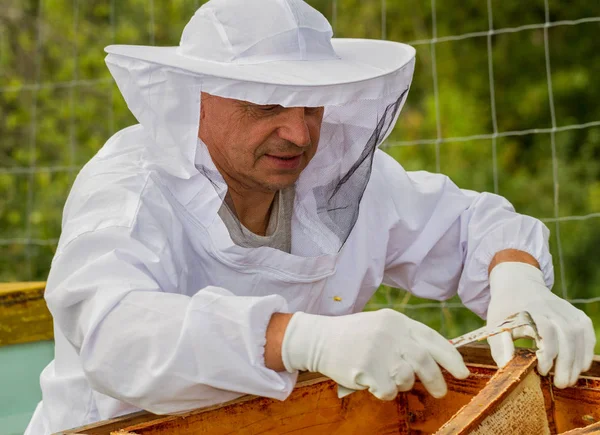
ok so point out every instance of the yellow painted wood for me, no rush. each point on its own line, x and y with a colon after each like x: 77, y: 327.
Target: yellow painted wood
x: 24, y: 316
x: 11, y: 287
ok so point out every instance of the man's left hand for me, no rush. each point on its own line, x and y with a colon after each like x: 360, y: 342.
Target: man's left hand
x: 566, y: 333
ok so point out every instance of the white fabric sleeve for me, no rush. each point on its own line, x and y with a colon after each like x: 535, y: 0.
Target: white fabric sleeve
x: 443, y: 238
x: 141, y: 343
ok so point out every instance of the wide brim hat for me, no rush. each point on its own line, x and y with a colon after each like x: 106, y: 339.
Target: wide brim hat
x: 268, y: 52
x: 279, y: 42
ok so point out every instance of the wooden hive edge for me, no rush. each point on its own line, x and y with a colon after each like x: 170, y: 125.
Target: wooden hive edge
x: 593, y: 429
x: 24, y: 316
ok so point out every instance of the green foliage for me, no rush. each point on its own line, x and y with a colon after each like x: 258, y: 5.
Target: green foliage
x: 57, y: 127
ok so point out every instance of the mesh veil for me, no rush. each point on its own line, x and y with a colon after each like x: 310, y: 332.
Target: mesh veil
x: 357, y: 119
x: 338, y: 199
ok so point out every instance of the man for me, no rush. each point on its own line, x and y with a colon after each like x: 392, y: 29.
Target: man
x: 234, y: 236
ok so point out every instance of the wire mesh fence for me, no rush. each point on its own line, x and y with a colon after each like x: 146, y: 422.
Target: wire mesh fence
x: 503, y: 101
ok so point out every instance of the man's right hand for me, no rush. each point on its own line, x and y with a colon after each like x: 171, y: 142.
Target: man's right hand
x: 381, y: 351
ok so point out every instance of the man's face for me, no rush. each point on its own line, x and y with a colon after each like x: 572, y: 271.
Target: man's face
x: 262, y: 148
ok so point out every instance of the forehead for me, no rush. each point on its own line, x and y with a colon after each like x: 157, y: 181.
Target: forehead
x: 226, y: 104
x: 231, y: 102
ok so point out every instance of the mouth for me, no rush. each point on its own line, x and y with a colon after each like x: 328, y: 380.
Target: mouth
x: 285, y: 161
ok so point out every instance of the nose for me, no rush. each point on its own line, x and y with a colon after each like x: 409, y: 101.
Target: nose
x: 293, y: 127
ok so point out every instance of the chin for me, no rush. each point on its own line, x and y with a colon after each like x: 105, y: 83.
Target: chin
x: 282, y: 183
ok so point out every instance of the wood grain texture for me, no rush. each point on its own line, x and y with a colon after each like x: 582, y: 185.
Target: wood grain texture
x: 593, y: 429
x: 313, y: 408
x: 548, y: 392
x: 308, y: 410
x: 24, y: 316
x: 417, y: 411
x: 427, y: 414
x: 578, y: 406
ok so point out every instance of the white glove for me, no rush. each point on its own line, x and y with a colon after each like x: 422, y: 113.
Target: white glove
x: 379, y: 350
x: 566, y: 333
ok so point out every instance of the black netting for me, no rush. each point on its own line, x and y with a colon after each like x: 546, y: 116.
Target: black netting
x: 338, y: 202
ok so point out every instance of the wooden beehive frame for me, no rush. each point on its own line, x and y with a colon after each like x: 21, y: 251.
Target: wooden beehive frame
x: 314, y: 408
x: 498, y: 407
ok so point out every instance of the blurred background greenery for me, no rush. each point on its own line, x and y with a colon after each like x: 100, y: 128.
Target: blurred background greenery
x: 58, y: 105
x: 514, y: 111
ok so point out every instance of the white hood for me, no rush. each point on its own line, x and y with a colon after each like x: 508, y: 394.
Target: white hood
x: 359, y: 115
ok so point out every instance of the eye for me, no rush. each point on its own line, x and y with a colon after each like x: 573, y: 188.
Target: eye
x: 269, y: 109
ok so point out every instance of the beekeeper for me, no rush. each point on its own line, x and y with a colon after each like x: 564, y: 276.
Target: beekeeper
x: 252, y: 188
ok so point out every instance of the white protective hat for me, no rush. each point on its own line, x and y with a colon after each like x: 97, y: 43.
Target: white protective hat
x: 272, y: 52
x: 283, y: 42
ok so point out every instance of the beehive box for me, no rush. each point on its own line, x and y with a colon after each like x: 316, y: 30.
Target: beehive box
x: 514, y: 400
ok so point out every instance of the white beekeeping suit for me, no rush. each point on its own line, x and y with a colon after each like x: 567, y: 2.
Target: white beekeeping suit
x: 154, y: 305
